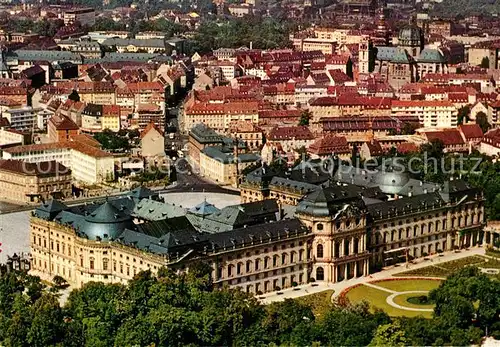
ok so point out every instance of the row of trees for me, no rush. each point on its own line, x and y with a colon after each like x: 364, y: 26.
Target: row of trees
x: 264, y: 33
x: 185, y: 310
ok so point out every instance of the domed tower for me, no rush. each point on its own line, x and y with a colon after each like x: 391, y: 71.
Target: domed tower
x: 106, y: 222
x: 411, y: 38
x: 382, y: 31
x: 337, y: 218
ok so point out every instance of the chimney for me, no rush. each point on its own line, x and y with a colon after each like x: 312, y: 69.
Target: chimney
x: 251, y: 45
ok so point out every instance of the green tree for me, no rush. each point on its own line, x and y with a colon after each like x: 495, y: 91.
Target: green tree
x: 434, y: 149
x: 46, y: 327
x: 390, y: 335
x: 463, y: 114
x: 283, y: 317
x: 305, y: 117
x: 482, y: 121
x: 74, y: 96
x: 107, y: 24
x: 485, y: 63
x: 355, y: 326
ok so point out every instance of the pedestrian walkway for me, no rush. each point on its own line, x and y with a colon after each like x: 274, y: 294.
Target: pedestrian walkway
x: 368, y: 284
x: 390, y: 301
x: 381, y: 275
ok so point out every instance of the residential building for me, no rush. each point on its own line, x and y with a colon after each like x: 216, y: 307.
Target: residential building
x: 150, y: 113
x: 248, y: 133
x: 88, y: 164
x: 61, y: 128
x: 83, y: 16
x: 111, y: 118
x: 27, y: 118
x: 219, y: 116
x: 152, y: 141
x: 223, y: 164
x: 490, y: 145
x: 432, y: 114
x: 328, y: 146
x: 22, y: 182
x: 292, y: 137
x: 200, y: 137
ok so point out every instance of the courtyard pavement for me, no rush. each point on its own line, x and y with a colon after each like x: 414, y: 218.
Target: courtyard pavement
x: 389, y: 272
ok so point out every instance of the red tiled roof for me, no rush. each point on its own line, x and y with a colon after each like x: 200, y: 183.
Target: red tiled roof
x: 339, y: 76
x: 86, y: 139
x: 492, y: 137
x: 350, y: 100
x: 437, y: 77
x: 112, y: 110
x: 328, y: 144
x: 449, y: 137
x: 290, y: 133
x: 337, y: 59
x: 374, y: 147
x: 471, y: 131
x: 62, y: 122
x: 279, y: 113
x: 407, y: 147
x: 4, y: 122
x: 458, y: 97
x: 225, y: 108
x: 150, y: 127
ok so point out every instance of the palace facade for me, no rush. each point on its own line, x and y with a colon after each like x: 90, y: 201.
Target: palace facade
x: 338, y: 231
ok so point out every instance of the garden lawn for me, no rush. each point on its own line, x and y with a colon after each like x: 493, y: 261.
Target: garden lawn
x: 401, y: 300
x: 409, y: 285
x: 320, y: 302
x: 377, y: 300
x: 443, y: 269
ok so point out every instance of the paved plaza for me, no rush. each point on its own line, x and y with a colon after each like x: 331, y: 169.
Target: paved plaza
x: 307, y: 289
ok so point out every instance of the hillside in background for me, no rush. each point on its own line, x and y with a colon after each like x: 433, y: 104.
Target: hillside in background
x: 453, y: 8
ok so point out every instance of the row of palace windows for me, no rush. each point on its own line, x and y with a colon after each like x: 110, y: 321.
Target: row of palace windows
x: 59, y: 247
x: 105, y: 265
x: 337, y: 246
x: 266, y: 262
x: 430, y: 227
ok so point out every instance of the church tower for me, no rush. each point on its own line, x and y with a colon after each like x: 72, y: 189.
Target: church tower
x: 364, y: 56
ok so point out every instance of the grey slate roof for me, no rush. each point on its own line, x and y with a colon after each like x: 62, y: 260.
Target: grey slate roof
x: 203, y: 209
x: 405, y: 205
x: 50, y: 56
x: 328, y: 201
x: 265, y: 232
x: 158, y: 43
x: 203, y: 134
x: 288, y: 184
x: 226, y: 156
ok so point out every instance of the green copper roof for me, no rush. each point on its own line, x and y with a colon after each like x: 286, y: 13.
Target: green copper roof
x: 431, y: 56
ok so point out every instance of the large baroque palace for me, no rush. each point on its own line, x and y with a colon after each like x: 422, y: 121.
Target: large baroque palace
x: 337, y: 231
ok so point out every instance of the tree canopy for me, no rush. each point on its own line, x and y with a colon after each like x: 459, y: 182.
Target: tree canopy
x: 264, y: 33
x: 185, y: 309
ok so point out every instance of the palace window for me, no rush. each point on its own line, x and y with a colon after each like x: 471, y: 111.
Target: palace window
x: 105, y: 262
x: 320, y: 274
x: 319, y: 251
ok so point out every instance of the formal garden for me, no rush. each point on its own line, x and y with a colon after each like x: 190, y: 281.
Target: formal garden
x: 398, y: 297
x: 489, y: 265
